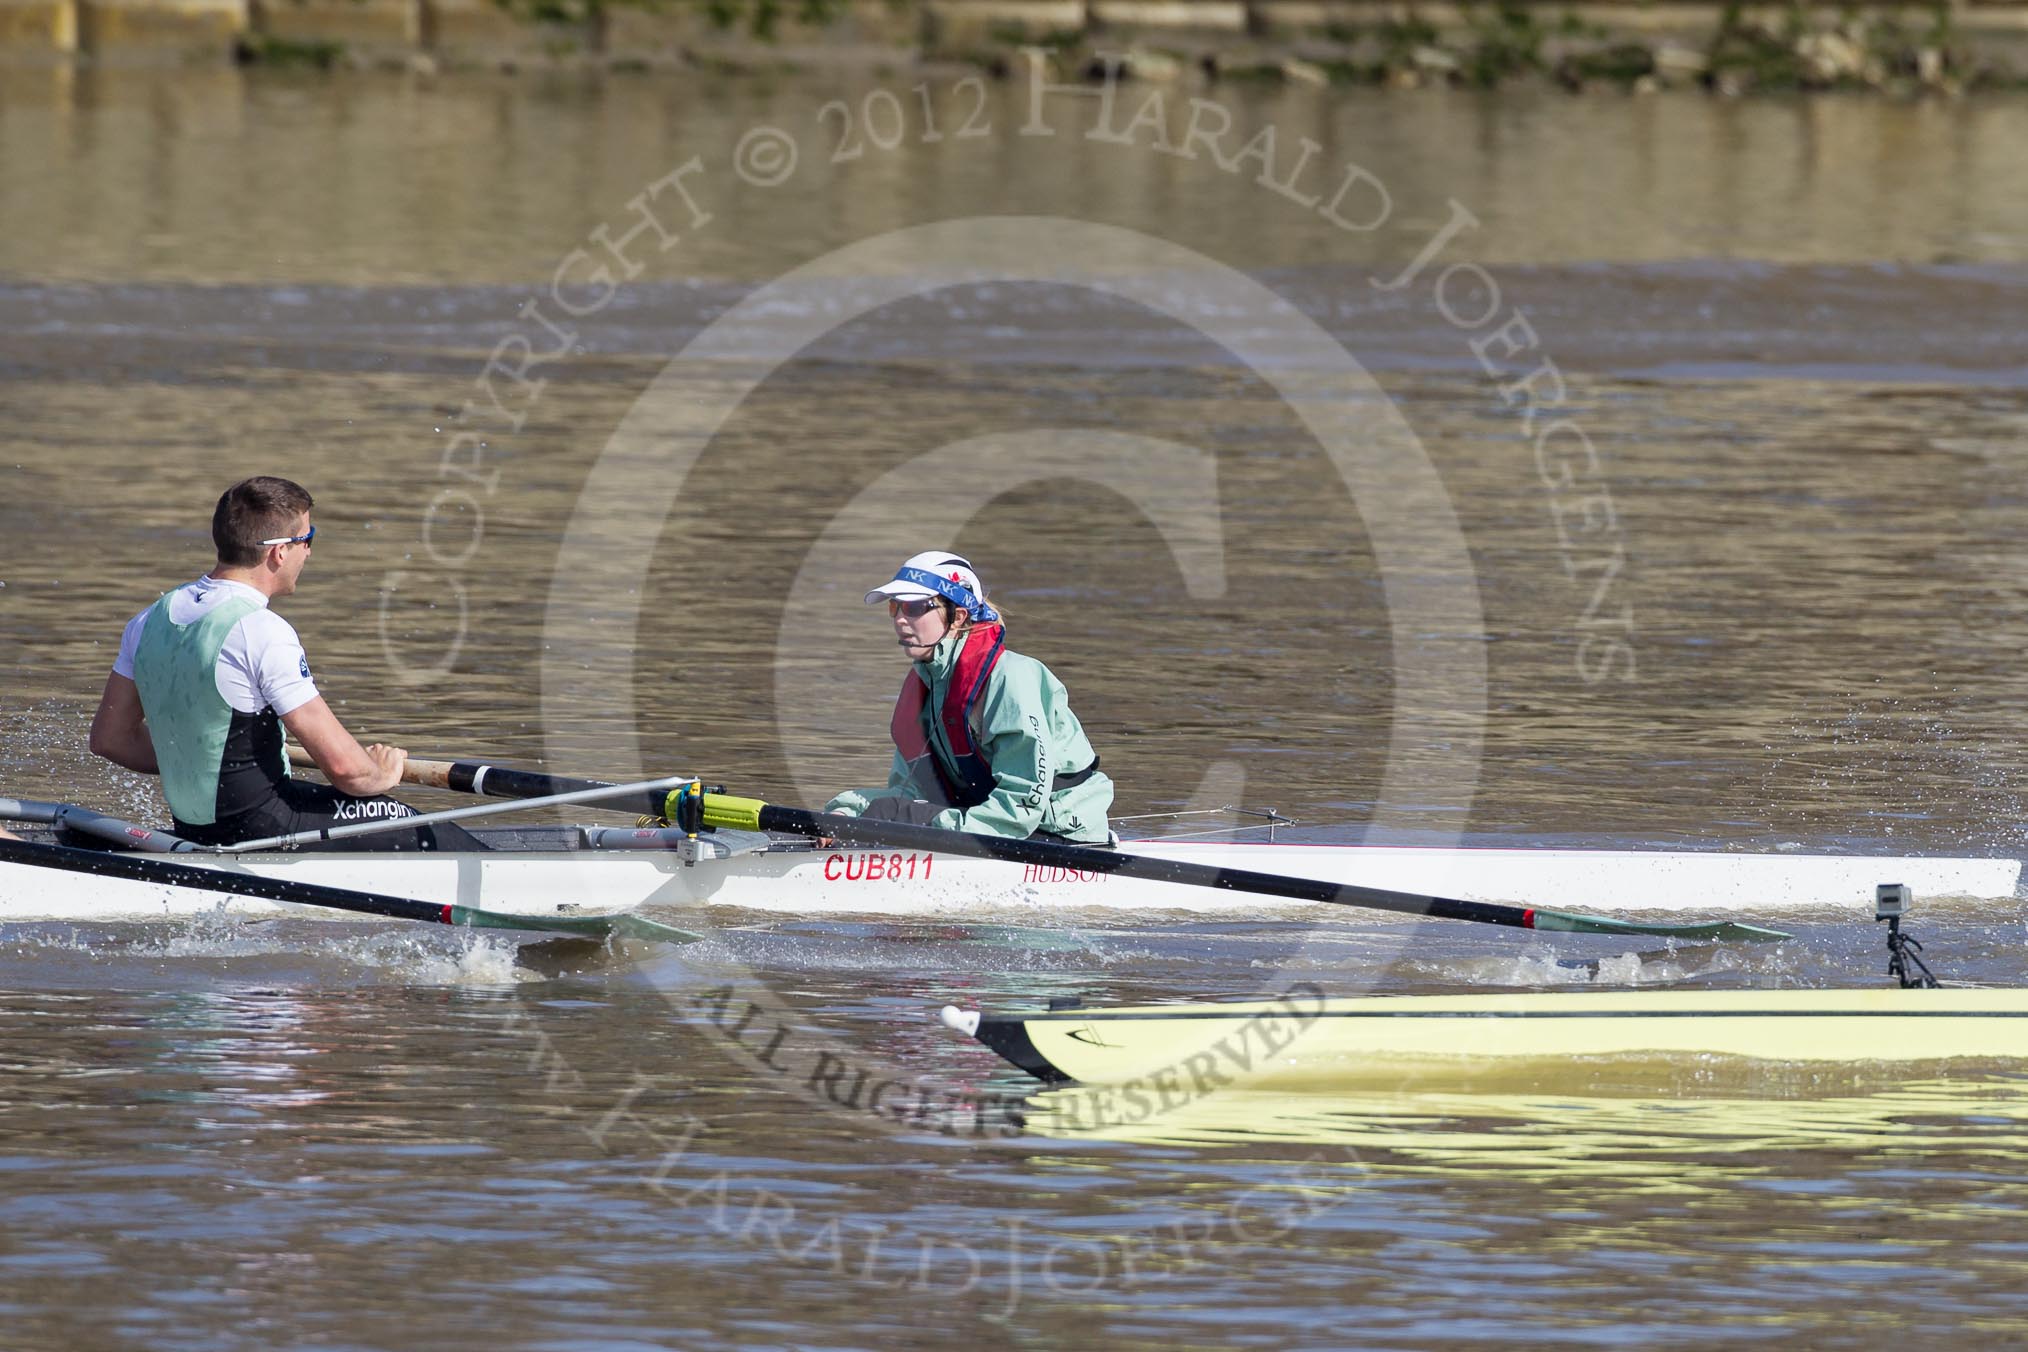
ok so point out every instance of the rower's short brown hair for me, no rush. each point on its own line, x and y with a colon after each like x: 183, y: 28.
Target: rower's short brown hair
x: 253, y: 510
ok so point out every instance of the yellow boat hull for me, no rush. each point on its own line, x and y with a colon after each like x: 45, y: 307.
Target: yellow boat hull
x: 1305, y: 1040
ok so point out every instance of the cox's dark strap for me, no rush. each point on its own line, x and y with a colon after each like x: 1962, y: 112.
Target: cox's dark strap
x: 1075, y: 778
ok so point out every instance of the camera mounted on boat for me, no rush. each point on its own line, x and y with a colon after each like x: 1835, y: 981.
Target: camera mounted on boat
x: 1890, y: 903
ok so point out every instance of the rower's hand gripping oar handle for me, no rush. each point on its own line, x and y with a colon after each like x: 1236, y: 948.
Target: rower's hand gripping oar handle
x: 430, y: 774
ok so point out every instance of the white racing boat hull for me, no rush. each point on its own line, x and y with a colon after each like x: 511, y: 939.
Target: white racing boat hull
x: 900, y: 883
x: 1572, y: 880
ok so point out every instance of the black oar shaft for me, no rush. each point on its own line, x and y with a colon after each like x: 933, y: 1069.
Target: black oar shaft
x: 155, y: 869
x: 495, y: 781
x: 1090, y: 859
x: 716, y: 809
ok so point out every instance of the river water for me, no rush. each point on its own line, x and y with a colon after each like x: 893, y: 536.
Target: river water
x: 1697, y: 524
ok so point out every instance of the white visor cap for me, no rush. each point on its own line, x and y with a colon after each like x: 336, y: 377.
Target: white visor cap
x: 935, y: 572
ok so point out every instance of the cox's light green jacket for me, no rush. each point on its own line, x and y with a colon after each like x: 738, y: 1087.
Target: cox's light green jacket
x: 1023, y: 725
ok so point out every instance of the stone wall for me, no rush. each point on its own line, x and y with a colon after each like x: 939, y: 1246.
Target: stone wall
x: 1787, y: 45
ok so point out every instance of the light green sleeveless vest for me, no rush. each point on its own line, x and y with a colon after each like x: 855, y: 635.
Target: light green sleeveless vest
x: 176, y: 671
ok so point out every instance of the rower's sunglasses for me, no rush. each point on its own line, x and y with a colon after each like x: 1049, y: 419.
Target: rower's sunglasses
x: 305, y: 538
x: 915, y: 609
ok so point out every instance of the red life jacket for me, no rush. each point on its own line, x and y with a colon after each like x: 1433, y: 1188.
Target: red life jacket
x: 969, y: 782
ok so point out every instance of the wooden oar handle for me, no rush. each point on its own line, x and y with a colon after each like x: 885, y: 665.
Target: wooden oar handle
x: 431, y: 774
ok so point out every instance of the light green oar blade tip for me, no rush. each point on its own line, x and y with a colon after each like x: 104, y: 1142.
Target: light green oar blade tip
x: 639, y: 927
x: 1599, y: 924
x: 624, y: 925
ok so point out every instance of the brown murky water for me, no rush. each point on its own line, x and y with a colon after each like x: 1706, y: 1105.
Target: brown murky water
x: 1781, y: 606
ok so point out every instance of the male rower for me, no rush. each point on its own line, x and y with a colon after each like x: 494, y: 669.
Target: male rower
x: 208, y: 677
